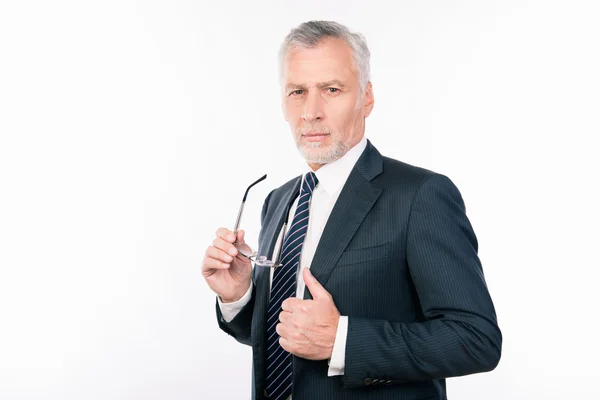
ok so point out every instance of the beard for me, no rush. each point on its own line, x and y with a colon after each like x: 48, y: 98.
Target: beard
x: 319, y: 152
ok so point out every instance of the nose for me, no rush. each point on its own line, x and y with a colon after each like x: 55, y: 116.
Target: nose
x: 313, y: 108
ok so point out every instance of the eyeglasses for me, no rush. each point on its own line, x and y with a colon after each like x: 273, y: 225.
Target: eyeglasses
x: 246, y: 250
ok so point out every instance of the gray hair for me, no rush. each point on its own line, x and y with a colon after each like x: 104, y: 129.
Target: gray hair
x: 309, y: 34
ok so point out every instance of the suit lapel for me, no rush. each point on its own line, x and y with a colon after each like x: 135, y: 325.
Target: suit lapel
x: 271, y: 234
x: 354, y: 203
x: 262, y: 275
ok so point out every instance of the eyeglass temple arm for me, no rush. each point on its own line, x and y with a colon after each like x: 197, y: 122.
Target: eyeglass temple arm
x: 240, y: 212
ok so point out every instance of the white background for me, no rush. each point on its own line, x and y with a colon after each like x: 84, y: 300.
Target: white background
x: 130, y: 129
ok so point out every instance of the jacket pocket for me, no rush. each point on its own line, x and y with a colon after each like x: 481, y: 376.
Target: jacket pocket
x: 366, y: 254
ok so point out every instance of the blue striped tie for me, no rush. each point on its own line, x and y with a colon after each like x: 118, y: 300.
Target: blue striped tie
x: 279, y: 362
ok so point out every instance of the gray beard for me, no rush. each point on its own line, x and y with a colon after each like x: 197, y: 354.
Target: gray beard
x: 335, y: 152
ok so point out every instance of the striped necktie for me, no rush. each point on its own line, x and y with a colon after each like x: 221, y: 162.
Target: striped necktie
x: 278, y: 384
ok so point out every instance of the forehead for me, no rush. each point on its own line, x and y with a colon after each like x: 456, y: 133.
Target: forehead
x: 331, y: 59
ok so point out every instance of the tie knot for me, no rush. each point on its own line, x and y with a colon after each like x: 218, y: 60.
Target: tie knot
x: 309, y: 182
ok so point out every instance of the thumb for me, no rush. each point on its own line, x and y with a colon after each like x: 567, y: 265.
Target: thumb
x: 316, y: 289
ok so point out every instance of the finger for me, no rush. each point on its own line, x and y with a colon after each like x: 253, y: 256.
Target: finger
x: 240, y: 236
x: 218, y: 254
x: 211, y: 263
x: 316, y: 289
x: 285, y: 317
x: 225, y: 234
x: 282, y: 330
x: 285, y: 344
x: 291, y: 304
x: 225, y: 246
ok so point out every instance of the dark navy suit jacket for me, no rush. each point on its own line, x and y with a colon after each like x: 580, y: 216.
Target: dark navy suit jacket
x: 399, y: 257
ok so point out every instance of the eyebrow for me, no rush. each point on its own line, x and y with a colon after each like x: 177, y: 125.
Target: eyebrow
x: 320, y: 85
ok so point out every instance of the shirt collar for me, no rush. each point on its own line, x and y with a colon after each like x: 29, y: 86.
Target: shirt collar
x: 333, y: 176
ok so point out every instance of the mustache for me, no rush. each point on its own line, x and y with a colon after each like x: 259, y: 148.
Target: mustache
x: 309, y: 129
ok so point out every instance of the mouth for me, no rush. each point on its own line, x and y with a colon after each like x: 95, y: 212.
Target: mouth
x: 316, y: 137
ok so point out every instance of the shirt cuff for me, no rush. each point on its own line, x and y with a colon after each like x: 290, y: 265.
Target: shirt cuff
x: 230, y: 310
x: 338, y: 355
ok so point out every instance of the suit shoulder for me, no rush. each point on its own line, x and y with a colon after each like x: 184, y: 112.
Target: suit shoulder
x: 400, y: 175
x: 402, y: 172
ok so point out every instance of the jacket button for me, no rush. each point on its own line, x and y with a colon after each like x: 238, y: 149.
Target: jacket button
x: 368, y: 381
x: 376, y: 381
x: 388, y: 382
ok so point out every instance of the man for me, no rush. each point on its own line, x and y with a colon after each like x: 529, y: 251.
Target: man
x: 380, y: 293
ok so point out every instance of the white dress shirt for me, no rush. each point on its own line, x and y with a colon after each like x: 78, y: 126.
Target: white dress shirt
x: 332, y: 178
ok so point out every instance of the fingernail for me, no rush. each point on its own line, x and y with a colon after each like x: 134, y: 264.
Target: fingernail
x: 230, y: 237
x: 229, y: 258
x: 232, y: 251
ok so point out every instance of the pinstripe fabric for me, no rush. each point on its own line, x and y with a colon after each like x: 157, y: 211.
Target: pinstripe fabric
x: 399, y: 257
x: 279, y: 362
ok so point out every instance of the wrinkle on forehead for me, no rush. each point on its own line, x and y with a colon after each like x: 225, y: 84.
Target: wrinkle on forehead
x: 331, y: 59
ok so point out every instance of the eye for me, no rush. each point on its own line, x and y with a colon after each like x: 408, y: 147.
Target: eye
x: 296, y: 92
x: 333, y: 90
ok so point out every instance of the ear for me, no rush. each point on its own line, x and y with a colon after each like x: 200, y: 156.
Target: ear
x: 369, y: 100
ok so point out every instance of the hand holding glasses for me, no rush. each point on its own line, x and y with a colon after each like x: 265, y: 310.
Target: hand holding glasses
x: 246, y: 250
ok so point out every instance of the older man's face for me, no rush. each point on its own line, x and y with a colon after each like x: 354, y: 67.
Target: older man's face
x: 322, y: 101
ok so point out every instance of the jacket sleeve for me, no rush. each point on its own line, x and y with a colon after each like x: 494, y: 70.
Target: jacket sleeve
x: 240, y: 327
x: 460, y: 334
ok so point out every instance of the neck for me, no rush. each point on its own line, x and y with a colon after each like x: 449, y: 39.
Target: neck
x: 314, y: 167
